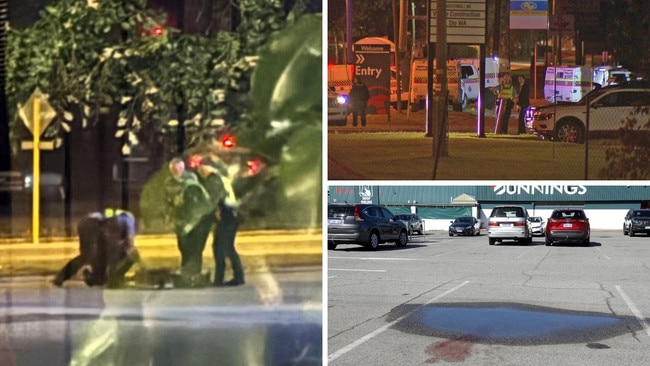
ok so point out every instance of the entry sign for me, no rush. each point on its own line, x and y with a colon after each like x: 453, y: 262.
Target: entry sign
x: 372, y: 67
x: 465, y: 19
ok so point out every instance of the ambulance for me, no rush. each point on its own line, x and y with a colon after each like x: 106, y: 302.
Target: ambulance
x: 462, y: 80
x: 340, y: 77
x: 567, y: 83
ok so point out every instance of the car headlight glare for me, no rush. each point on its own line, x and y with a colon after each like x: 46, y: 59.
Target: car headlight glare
x: 342, y: 99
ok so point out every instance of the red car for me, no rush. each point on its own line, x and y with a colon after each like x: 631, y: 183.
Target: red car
x: 568, y: 225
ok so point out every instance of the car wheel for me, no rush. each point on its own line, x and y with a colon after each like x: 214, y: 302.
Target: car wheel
x: 331, y: 245
x: 624, y: 231
x: 570, y: 131
x: 492, y: 241
x: 548, y: 242
x: 451, y: 234
x: 529, y: 240
x: 631, y: 232
x: 586, y: 242
x: 373, y: 241
x: 402, y: 240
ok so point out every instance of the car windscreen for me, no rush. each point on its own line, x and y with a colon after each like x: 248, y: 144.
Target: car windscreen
x: 568, y: 214
x: 642, y: 213
x: 340, y: 211
x: 507, y: 212
x: 463, y: 219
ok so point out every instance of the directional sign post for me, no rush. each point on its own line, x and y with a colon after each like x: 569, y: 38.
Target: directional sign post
x: 37, y: 115
x: 372, y: 67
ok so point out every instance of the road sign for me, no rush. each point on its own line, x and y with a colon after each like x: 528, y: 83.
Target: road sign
x: 47, y: 113
x: 465, y: 20
x: 528, y: 14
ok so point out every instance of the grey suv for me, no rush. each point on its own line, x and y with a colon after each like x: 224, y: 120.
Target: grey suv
x: 636, y: 221
x: 364, y: 224
x: 509, y: 223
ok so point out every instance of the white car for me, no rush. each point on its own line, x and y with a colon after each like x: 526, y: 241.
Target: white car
x: 337, y: 108
x: 609, y: 107
x: 537, y: 225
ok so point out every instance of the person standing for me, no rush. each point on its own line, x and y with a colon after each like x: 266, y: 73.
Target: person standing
x: 359, y: 96
x: 106, y: 246
x: 523, y: 101
x: 223, y: 244
x: 506, y: 95
x: 189, y: 205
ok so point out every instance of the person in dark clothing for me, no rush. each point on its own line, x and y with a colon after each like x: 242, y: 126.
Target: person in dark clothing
x: 223, y: 246
x: 189, y: 207
x: 523, y: 101
x: 213, y: 175
x: 106, y: 247
x: 359, y: 95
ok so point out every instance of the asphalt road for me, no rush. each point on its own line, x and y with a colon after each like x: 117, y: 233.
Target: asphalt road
x: 459, y: 300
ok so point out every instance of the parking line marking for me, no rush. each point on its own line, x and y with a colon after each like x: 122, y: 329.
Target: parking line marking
x: 524, y: 253
x: 603, y: 254
x: 381, y: 329
x: 378, y: 258
x: 331, y: 277
x: 356, y: 270
x: 639, y: 316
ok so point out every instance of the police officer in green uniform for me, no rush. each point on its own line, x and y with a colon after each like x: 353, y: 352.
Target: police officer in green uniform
x: 191, y: 211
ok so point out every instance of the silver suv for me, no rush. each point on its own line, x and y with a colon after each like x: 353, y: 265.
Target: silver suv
x: 509, y: 223
x: 365, y: 224
x: 608, y: 107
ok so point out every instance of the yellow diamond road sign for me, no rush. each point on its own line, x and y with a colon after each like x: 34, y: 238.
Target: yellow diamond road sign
x: 26, y: 112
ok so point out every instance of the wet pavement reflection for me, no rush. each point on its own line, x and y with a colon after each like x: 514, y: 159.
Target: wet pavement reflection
x: 510, y: 323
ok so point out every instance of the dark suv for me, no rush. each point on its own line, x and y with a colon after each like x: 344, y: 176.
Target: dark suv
x: 637, y: 221
x: 364, y: 224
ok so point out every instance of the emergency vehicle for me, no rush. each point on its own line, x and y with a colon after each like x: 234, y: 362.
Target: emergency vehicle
x: 611, y: 75
x: 567, y: 83
x: 462, y: 80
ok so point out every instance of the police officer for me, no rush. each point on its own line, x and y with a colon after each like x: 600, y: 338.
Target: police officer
x: 189, y: 205
x: 216, y: 177
x: 106, y: 247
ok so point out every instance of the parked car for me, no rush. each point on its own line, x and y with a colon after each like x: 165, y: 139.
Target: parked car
x: 509, y: 223
x: 537, y: 225
x: 413, y: 222
x: 608, y: 108
x: 568, y: 225
x: 337, y: 108
x: 465, y: 225
x: 636, y: 221
x: 364, y: 224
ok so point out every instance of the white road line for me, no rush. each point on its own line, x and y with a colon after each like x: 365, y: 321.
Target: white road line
x: 603, y: 254
x: 524, y: 253
x: 378, y: 259
x: 451, y: 252
x: 634, y: 310
x: 356, y: 270
x: 379, y: 330
x: 331, y: 277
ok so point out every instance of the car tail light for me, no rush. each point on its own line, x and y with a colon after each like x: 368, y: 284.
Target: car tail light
x: 493, y: 223
x: 520, y: 223
x: 357, y: 214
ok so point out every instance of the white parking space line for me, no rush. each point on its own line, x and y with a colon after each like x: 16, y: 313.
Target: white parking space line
x: 524, y: 253
x: 356, y: 270
x: 634, y: 309
x: 331, y: 277
x: 451, y: 252
x: 603, y: 254
x: 380, y: 330
x: 378, y: 258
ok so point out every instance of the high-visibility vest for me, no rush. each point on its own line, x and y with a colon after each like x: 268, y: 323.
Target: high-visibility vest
x: 506, y: 92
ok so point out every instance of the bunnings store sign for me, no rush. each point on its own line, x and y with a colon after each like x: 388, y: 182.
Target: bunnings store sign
x: 560, y: 192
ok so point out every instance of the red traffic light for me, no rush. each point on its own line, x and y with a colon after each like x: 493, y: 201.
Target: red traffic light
x: 228, y: 141
x: 158, y: 30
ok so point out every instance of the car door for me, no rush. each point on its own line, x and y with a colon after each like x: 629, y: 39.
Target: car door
x: 391, y: 227
x: 609, y: 111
